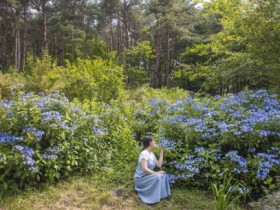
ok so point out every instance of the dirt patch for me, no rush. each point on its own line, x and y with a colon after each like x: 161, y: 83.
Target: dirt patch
x: 79, y: 200
x: 66, y: 201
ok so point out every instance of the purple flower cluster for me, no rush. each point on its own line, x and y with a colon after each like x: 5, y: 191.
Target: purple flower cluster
x: 4, y: 138
x: 241, y: 190
x: 49, y: 156
x: 26, y: 154
x: 54, y: 149
x: 265, y: 163
x: 38, y: 134
x: 52, y: 116
x: 191, y: 166
x: 6, y: 104
x: 242, y: 163
x: 140, y: 112
x: 171, y: 178
x: 97, y: 131
x: 54, y: 100
x: 167, y: 144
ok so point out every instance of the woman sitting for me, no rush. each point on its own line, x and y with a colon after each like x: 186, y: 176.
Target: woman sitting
x: 151, y: 186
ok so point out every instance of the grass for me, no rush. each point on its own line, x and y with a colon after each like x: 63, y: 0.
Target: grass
x: 111, y: 189
x: 97, y: 192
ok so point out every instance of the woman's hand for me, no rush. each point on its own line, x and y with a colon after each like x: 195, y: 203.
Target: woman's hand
x: 160, y: 161
x: 161, y: 172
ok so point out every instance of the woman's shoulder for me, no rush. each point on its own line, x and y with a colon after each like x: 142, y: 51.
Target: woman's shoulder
x: 144, y: 152
x: 146, y: 155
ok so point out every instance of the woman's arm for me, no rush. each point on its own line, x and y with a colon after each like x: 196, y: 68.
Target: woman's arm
x: 160, y: 161
x: 146, y: 170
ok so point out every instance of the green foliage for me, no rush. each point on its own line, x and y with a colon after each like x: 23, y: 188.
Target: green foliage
x: 96, y: 79
x: 137, y: 61
x: 260, y: 28
x: 226, y: 195
x: 38, y: 74
x: 144, y: 93
x: 93, y: 48
x: 11, y: 82
x: 243, y: 54
x: 78, y: 44
x: 93, y: 79
x: 118, y: 118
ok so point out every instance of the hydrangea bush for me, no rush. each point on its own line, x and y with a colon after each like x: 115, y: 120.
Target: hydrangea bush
x: 207, y: 138
x: 212, y: 136
x: 44, y: 138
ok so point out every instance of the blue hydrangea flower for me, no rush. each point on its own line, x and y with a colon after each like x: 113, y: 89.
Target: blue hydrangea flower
x: 49, y: 156
x: 38, y: 134
x: 4, y: 138
x: 167, y: 144
x: 26, y: 154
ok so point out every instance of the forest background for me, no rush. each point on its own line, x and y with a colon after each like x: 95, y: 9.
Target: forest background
x: 212, y: 47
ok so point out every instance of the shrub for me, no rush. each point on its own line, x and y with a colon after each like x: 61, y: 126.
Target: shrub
x: 9, y: 82
x: 44, y: 138
x: 236, y: 133
x: 97, y: 79
x: 93, y: 79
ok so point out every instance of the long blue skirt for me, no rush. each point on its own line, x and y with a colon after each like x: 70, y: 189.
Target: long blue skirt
x: 152, y: 188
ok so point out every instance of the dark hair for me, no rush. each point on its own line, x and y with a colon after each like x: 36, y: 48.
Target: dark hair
x: 146, y: 141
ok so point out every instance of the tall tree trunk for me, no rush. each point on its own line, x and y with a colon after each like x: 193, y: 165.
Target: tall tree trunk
x: 61, y: 56
x: 72, y: 40
x: 44, y: 16
x: 119, y: 37
x: 155, y: 76
x: 167, y: 70
x: 24, y: 44
x: 125, y: 24
x: 3, y: 52
x: 41, y: 7
x: 55, y: 48
x: 18, y: 50
x: 17, y: 43
x: 111, y: 34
